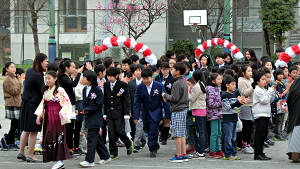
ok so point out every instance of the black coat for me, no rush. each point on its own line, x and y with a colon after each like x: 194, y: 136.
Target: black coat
x: 33, y: 86
x: 68, y: 83
x: 93, y: 108
x: 116, y: 106
x: 168, y: 83
x: 293, y: 102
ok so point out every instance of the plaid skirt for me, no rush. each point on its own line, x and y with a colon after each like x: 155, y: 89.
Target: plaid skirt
x: 12, y: 112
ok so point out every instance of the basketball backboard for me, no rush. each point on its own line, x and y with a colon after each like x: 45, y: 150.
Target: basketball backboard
x: 192, y: 17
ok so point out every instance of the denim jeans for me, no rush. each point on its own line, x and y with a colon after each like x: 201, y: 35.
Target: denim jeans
x: 190, y: 134
x: 215, y: 135
x: 200, y: 133
x: 229, y: 136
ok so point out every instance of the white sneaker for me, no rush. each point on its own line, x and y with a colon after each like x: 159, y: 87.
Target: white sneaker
x: 58, y: 166
x: 87, y: 164
x: 104, y: 161
x: 247, y: 150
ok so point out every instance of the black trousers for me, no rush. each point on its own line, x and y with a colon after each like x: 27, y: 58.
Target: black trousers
x: 95, y: 143
x: 73, y: 128
x: 116, y: 129
x: 104, y: 131
x: 10, y: 138
x: 261, y: 133
x: 247, y: 130
x: 278, y: 122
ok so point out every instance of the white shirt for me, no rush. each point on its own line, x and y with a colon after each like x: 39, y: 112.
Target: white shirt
x: 88, y: 88
x: 112, y: 85
x: 221, y: 65
x: 138, y: 81
x: 149, y: 88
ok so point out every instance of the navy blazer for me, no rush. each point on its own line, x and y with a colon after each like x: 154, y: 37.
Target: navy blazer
x: 93, y: 108
x: 168, y: 83
x: 152, y: 104
x: 116, y: 106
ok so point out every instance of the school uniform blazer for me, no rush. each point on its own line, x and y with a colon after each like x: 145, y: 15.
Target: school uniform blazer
x: 93, y: 107
x: 152, y: 104
x: 131, y: 88
x: 168, y: 84
x: 116, y: 103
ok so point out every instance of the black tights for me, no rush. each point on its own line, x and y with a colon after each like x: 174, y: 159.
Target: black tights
x: 11, y: 134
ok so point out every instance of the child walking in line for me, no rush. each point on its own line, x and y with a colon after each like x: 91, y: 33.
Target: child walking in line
x: 214, y: 113
x: 179, y: 105
x: 261, y: 109
x: 230, y: 102
x: 245, y: 88
x: 116, y: 111
x: 197, y: 97
x: 92, y: 109
x: 54, y: 103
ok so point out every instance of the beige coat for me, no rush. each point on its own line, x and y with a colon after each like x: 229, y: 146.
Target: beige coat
x: 246, y: 89
x: 12, y: 90
x: 197, y: 98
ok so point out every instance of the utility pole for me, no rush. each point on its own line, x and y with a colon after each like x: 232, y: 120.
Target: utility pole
x: 226, y: 23
x: 52, y: 41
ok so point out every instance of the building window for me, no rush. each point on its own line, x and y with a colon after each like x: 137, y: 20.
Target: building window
x: 74, y: 14
x: 21, y: 17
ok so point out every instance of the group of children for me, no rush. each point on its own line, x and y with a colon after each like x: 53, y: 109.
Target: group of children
x: 201, y: 105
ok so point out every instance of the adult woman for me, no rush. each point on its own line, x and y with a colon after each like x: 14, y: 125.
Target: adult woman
x: 32, y: 96
x: 293, y: 128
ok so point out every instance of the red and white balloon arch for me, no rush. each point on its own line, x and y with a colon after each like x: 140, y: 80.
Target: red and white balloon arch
x: 120, y: 41
x: 288, y: 55
x: 218, y: 41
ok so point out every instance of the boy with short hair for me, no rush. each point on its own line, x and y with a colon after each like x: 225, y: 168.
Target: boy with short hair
x: 219, y: 60
x: 140, y: 138
x: 135, y: 59
x: 293, y: 73
x: 148, y: 94
x: 116, y: 111
x: 179, y: 105
x: 143, y: 62
x: 126, y: 66
x: 166, y: 78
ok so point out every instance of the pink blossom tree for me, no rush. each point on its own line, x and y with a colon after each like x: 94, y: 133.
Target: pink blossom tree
x: 131, y: 18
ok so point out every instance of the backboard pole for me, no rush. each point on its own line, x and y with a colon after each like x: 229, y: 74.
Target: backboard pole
x: 226, y: 23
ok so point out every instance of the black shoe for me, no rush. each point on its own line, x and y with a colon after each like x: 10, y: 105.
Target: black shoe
x: 164, y: 142
x: 269, y: 158
x: 30, y: 160
x: 21, y: 157
x: 260, y: 157
x: 12, y: 147
x: 136, y: 149
x: 152, y: 154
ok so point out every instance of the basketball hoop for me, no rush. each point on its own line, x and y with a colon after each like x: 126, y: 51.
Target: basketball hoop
x: 194, y: 27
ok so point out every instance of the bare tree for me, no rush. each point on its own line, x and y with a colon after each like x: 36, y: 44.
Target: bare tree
x: 4, y: 27
x: 35, y: 6
x: 132, y: 17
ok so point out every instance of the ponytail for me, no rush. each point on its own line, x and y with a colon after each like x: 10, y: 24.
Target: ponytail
x: 7, y: 64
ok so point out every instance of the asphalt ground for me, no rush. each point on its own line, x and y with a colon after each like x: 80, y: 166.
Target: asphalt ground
x: 8, y: 159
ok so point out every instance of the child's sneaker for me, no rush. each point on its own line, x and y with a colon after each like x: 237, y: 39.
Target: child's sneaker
x: 220, y: 153
x: 229, y: 158
x: 104, y: 161
x: 214, y: 155
x: 185, y: 158
x: 197, y: 155
x: 236, y: 157
x: 270, y: 142
x: 190, y: 151
x: 246, y: 150
x: 176, y: 159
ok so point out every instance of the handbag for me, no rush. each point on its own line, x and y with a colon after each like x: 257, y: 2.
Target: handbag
x: 66, y: 117
x: 281, y: 106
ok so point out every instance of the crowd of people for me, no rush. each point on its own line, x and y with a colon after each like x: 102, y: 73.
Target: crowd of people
x: 217, y: 109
